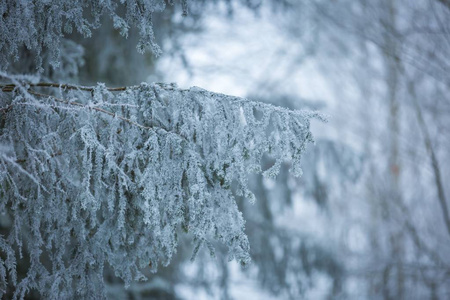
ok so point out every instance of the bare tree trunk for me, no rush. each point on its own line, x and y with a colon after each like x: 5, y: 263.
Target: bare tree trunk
x: 393, y: 77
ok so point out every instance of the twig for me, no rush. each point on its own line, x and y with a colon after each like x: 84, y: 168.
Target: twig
x: 6, y: 108
x: 11, y: 87
x: 91, y: 108
x: 53, y: 155
x: 434, y: 161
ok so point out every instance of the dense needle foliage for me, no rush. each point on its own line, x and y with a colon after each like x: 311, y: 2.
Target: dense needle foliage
x: 92, y: 176
x: 40, y: 25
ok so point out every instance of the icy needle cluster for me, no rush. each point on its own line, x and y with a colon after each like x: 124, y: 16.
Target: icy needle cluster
x: 95, y: 178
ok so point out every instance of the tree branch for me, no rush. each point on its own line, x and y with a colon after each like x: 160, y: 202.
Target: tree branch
x: 432, y: 154
x: 90, y: 108
x: 11, y: 87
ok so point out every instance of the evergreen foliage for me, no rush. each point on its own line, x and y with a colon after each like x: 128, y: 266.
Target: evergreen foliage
x: 95, y: 176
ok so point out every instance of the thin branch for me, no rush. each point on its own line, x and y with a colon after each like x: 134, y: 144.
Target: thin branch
x: 91, y: 108
x: 434, y: 161
x: 11, y: 87
x: 19, y: 161
x: 23, y: 171
x: 6, y: 108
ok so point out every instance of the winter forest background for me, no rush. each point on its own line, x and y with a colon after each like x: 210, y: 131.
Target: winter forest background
x: 105, y: 181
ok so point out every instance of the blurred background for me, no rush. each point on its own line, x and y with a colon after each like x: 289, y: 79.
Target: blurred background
x: 369, y: 218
